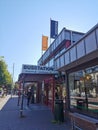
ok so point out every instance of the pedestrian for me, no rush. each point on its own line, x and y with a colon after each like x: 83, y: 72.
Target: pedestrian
x: 29, y: 94
x: 56, y: 94
x: 19, y: 97
x: 32, y: 96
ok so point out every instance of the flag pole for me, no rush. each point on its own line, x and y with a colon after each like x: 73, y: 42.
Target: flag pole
x: 42, y: 51
x: 50, y: 31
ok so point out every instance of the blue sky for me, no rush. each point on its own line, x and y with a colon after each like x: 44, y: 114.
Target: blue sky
x: 23, y: 22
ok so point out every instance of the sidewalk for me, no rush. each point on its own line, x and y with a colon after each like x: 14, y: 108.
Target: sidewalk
x: 36, y: 117
x: 3, y: 101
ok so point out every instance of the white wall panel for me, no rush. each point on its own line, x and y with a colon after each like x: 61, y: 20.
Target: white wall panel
x: 62, y: 61
x: 73, y: 54
x: 80, y: 49
x: 59, y: 39
x: 63, y: 35
x: 90, y: 43
x: 97, y: 36
x: 67, y: 35
x: 67, y: 58
x: 76, y: 37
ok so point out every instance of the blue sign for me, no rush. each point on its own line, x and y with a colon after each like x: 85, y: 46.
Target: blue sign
x: 53, y: 29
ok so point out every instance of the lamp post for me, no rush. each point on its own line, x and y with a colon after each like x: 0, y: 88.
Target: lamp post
x: 87, y: 78
x: 12, y: 80
x: 22, y: 97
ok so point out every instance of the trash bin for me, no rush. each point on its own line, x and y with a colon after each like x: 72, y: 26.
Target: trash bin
x: 58, y: 110
x: 80, y: 103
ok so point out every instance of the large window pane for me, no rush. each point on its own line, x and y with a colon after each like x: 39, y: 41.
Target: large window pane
x: 83, y: 90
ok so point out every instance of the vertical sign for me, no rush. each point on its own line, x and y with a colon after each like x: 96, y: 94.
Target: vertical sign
x: 44, y: 43
x: 53, y: 29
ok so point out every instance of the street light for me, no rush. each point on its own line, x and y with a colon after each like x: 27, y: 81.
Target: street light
x: 22, y: 100
x: 87, y: 78
x: 12, y: 80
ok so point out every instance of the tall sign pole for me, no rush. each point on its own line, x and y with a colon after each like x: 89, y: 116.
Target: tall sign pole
x: 50, y: 31
x: 22, y: 97
x: 12, y: 80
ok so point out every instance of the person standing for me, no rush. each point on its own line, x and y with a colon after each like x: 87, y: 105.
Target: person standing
x: 19, y: 97
x: 29, y: 94
x: 32, y: 96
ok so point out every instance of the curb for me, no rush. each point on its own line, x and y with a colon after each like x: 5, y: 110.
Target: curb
x: 3, y: 101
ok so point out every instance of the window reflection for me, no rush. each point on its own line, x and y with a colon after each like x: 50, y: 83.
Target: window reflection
x: 83, y: 86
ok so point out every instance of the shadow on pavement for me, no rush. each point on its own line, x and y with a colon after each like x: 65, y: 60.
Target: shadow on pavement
x: 37, y: 117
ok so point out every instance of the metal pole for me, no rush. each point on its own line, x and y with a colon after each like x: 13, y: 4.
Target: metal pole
x: 22, y: 100
x: 85, y: 89
x: 12, y: 80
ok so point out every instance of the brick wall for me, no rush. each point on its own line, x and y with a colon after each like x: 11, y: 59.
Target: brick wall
x: 83, y: 122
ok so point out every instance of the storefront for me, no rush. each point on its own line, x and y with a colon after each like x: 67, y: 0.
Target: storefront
x: 32, y: 77
x: 83, y: 91
x: 54, y: 88
x: 48, y: 92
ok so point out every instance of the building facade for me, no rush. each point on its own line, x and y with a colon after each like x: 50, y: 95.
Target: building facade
x: 76, y: 56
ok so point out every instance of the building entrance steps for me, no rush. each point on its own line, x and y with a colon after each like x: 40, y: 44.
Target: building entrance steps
x: 36, y: 117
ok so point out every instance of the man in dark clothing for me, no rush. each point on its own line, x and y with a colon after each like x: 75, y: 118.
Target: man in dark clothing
x: 19, y: 97
x: 32, y: 97
x: 29, y: 94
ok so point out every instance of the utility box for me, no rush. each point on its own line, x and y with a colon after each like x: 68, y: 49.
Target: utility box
x: 58, y: 111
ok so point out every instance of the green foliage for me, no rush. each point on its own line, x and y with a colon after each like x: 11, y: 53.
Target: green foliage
x: 5, y: 76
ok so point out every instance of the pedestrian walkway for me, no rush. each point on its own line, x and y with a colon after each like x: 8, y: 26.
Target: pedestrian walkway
x: 36, y: 117
x: 3, y: 101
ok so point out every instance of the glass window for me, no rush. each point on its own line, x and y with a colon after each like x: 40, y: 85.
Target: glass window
x: 83, y: 90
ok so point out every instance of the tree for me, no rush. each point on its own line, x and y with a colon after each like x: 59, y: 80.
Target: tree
x: 5, y: 76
